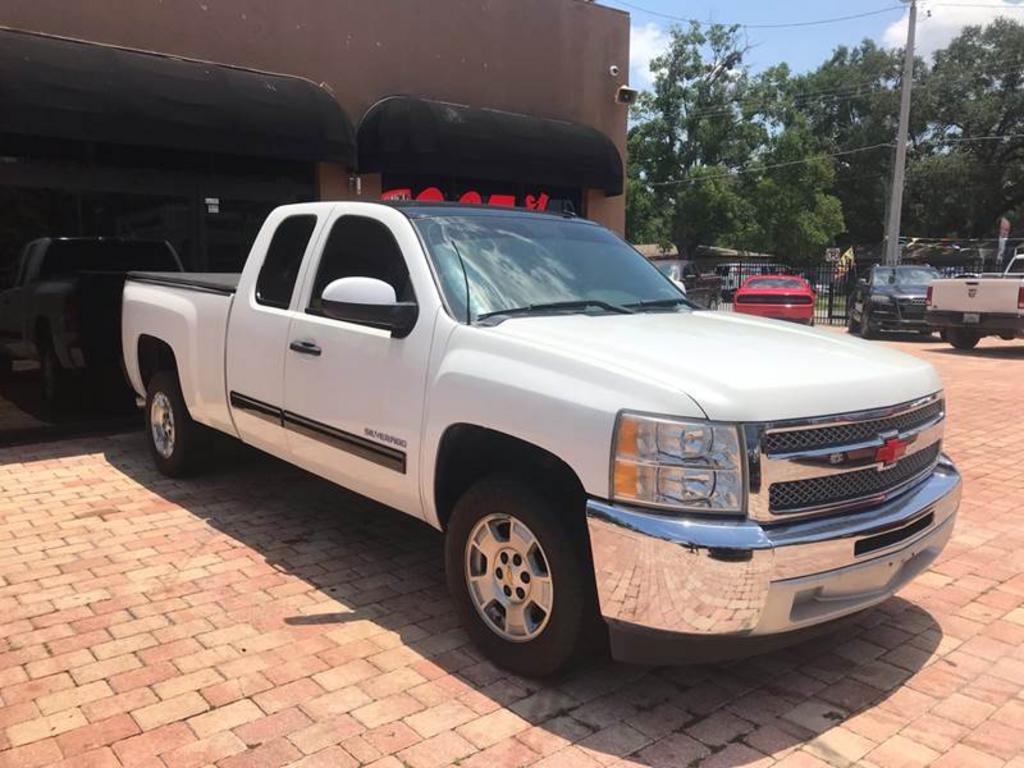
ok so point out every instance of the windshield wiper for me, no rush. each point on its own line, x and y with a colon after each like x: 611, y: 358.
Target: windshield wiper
x: 558, y: 305
x: 655, y: 303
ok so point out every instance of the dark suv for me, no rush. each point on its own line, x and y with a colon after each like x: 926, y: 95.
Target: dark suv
x: 890, y: 299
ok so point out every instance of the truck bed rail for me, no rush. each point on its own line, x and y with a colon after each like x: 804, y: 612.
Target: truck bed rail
x: 225, y: 283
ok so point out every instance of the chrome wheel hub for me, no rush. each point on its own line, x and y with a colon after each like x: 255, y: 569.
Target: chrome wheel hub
x: 161, y: 420
x: 508, y: 578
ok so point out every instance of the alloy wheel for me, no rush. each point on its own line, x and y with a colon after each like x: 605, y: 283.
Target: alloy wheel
x: 509, y: 581
x: 161, y: 420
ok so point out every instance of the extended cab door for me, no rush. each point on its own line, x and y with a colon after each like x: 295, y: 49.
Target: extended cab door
x: 354, y: 395
x: 257, y: 339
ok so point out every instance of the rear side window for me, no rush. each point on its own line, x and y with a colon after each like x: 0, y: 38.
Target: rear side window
x: 276, y: 281
x: 360, y: 247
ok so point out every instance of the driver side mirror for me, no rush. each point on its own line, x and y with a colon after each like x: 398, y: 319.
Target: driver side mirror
x: 369, y: 301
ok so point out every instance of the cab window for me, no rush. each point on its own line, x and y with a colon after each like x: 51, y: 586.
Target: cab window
x: 361, y: 247
x: 280, y: 269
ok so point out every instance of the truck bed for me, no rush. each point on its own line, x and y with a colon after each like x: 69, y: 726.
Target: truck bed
x: 211, y: 282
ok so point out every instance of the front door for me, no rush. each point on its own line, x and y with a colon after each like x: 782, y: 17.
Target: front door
x: 353, y: 394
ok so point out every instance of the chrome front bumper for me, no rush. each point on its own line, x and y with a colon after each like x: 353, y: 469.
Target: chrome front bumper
x: 714, y: 578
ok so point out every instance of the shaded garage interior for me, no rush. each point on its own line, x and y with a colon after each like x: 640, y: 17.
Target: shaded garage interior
x: 105, y: 150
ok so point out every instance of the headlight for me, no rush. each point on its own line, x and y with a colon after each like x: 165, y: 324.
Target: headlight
x: 690, y: 466
x: 881, y: 298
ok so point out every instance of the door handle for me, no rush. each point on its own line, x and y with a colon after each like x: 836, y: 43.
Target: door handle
x: 305, y: 348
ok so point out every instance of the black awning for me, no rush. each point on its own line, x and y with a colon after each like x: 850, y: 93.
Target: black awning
x: 402, y: 134
x: 64, y: 89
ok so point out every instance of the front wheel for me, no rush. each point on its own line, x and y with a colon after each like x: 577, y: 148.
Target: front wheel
x: 961, y: 338
x: 517, y: 573
x: 176, y: 442
x: 867, y: 330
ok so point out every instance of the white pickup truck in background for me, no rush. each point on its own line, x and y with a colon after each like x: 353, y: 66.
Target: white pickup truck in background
x: 966, y: 309
x: 593, y: 447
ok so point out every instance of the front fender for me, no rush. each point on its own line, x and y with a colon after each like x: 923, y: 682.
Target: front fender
x: 567, y: 408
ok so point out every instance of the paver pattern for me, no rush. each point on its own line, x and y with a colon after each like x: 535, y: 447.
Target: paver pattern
x: 257, y: 616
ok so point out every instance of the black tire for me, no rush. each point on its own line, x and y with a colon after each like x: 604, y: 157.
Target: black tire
x: 573, y: 605
x: 961, y: 338
x: 55, y: 380
x: 190, y: 440
x: 867, y: 330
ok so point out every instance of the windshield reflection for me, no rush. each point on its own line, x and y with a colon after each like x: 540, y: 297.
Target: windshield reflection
x: 516, y: 261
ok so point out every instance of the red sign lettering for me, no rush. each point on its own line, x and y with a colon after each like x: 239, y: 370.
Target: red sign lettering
x: 538, y: 202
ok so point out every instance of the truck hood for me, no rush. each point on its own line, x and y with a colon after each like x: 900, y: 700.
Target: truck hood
x: 736, y: 367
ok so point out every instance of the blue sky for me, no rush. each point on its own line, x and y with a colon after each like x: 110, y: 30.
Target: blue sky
x: 806, y: 47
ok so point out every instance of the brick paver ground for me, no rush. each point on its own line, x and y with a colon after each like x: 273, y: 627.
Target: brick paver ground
x: 260, y: 617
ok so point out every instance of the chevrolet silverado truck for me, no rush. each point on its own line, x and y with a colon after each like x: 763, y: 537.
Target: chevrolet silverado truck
x: 602, y: 456
x: 965, y: 309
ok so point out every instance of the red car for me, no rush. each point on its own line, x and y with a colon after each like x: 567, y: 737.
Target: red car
x: 783, y: 297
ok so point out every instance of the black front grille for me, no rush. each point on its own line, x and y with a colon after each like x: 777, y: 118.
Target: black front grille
x: 912, y: 309
x: 850, y: 486
x: 847, y: 434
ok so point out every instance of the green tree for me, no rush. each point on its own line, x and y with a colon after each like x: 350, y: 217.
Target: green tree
x: 796, y: 216
x: 688, y: 135
x: 851, y: 102
x: 969, y: 167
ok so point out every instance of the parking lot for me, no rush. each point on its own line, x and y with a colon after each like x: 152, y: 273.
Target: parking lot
x: 257, y: 616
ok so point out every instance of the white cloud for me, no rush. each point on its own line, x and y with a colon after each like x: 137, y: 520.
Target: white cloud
x: 645, y: 43
x: 936, y: 30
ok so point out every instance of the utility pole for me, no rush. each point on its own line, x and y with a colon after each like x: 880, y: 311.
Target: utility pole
x: 892, y: 229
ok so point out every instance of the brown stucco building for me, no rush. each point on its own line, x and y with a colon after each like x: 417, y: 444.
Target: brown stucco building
x: 250, y: 103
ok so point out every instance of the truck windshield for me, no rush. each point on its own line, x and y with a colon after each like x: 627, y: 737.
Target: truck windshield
x: 520, y: 262
x: 65, y: 257
x: 904, y: 276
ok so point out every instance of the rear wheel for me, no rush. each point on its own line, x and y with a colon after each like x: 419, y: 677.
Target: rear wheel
x: 961, y: 338
x: 55, y: 380
x: 176, y: 442
x: 516, y: 570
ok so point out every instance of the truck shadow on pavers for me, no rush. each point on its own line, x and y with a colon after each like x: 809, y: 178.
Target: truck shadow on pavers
x: 337, y: 605
x: 988, y: 352
x: 25, y: 416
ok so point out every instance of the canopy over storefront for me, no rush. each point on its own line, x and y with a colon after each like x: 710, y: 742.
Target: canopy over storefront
x: 407, y: 135
x: 64, y: 89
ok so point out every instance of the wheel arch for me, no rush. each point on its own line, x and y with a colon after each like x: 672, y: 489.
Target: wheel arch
x: 468, y: 452
x: 155, y: 355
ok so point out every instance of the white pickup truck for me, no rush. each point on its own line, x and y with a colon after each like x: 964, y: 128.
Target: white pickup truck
x: 592, y: 446
x: 967, y: 308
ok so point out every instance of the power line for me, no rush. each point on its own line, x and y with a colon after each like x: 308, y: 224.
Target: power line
x: 993, y: 6
x: 773, y: 25
x: 850, y: 92
x: 753, y: 167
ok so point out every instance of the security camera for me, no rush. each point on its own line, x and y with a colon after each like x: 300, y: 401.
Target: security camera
x: 626, y: 95
x: 613, y: 70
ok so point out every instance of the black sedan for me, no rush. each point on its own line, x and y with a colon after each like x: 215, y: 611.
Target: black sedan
x: 890, y: 299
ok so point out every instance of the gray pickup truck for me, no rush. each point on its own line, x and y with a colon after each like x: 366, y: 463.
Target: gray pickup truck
x: 62, y: 305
